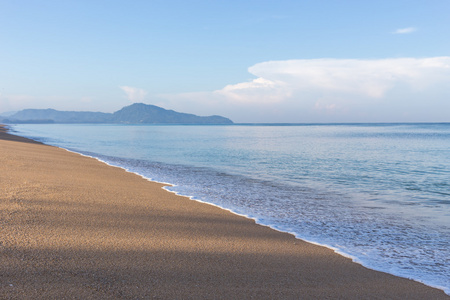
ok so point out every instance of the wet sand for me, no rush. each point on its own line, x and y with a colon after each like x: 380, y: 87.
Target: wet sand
x: 74, y: 228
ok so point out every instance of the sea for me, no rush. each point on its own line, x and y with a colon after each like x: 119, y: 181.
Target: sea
x: 377, y: 193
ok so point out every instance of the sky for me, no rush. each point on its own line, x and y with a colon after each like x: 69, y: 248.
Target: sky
x: 259, y: 61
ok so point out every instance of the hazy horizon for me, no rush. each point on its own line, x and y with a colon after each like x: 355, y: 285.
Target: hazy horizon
x: 250, y: 61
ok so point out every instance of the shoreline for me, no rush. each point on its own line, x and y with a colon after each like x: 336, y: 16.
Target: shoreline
x: 168, y: 185
x: 273, y: 227
x: 192, y: 198
x: 179, y: 247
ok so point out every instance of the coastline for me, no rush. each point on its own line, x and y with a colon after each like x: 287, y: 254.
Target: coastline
x: 77, y: 227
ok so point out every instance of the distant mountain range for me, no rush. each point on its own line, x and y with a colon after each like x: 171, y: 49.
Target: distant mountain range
x: 137, y: 113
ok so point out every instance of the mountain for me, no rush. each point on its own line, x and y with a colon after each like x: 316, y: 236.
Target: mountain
x: 151, y: 114
x: 137, y: 113
x: 55, y: 116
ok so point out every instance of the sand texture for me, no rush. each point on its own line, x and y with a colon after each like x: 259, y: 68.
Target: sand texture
x: 72, y: 227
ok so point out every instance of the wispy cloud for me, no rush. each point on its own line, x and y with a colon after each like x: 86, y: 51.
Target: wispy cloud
x: 134, y: 94
x: 315, y: 89
x: 405, y: 30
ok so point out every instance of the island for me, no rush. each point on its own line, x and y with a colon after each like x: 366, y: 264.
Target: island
x: 137, y: 113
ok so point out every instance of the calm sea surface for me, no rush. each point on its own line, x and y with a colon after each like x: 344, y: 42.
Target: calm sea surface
x: 377, y: 193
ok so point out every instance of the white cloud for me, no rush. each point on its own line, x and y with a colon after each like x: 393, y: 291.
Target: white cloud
x: 256, y: 91
x: 322, y: 90
x: 368, y: 78
x: 134, y: 94
x: 405, y: 30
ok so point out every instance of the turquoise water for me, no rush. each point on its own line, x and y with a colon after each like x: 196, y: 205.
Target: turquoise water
x: 379, y: 193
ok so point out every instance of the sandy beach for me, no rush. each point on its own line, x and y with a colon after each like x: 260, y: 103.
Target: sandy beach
x: 75, y: 228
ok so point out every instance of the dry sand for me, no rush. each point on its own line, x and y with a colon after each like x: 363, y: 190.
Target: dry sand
x: 75, y: 228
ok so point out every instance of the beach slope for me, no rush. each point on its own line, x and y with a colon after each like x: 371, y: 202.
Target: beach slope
x: 74, y: 228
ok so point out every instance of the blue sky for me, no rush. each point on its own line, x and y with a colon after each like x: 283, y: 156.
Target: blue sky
x: 252, y: 61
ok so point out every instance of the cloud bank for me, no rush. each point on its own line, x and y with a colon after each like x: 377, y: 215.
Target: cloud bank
x: 332, y: 90
x: 297, y: 91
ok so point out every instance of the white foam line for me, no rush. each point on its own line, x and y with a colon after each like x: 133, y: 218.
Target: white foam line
x: 272, y: 226
x: 257, y: 221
